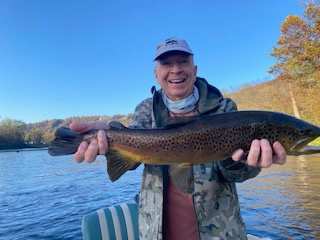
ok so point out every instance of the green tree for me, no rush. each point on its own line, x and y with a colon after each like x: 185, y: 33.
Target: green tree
x: 48, y: 136
x: 11, y: 133
x: 34, y: 136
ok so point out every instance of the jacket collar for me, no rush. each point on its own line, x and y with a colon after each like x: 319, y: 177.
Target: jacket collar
x: 209, y: 100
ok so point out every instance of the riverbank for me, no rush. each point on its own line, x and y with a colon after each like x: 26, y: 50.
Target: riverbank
x: 23, y: 149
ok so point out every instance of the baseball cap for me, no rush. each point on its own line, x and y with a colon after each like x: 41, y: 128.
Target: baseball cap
x: 172, y: 44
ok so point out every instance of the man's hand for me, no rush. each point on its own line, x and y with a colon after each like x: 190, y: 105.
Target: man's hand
x: 261, y: 154
x: 88, y: 151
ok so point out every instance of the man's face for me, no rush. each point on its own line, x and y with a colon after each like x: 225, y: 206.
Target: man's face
x: 176, y: 74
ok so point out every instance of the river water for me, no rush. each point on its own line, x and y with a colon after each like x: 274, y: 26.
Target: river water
x: 42, y: 197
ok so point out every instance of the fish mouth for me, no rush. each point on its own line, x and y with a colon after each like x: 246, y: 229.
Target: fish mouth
x: 302, y: 148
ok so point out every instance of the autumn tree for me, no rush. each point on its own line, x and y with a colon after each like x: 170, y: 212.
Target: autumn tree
x: 298, y: 59
x: 298, y: 48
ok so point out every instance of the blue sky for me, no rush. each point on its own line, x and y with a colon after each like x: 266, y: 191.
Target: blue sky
x: 75, y: 58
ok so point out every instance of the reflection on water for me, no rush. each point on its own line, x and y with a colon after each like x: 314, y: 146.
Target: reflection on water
x: 284, y: 201
x: 44, y: 198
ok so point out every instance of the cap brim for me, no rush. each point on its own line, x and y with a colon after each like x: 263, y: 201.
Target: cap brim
x: 161, y: 53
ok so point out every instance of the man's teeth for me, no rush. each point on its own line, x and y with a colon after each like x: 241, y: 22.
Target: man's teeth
x: 176, y: 81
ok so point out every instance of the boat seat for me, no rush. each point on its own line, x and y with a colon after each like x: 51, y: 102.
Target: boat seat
x: 112, y: 223
x: 119, y: 222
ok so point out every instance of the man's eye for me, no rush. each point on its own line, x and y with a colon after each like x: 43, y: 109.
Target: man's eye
x: 184, y: 61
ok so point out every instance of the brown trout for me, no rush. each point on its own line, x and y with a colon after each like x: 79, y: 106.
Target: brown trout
x: 193, y: 141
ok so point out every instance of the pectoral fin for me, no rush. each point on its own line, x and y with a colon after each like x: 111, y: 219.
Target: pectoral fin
x: 117, y: 165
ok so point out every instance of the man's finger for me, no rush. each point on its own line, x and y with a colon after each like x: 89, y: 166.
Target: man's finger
x: 92, y: 151
x: 102, y: 142
x: 79, y: 126
x: 99, y: 125
x: 280, y: 154
x: 79, y: 155
x: 266, y: 154
x: 254, y: 153
x: 237, y: 155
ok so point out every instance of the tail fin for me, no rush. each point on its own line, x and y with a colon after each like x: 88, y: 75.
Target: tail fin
x: 65, y: 142
x: 117, y: 165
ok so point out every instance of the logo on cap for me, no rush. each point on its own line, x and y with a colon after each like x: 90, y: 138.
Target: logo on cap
x: 172, y: 44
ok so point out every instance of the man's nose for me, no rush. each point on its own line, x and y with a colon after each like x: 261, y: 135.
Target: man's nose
x: 176, y: 68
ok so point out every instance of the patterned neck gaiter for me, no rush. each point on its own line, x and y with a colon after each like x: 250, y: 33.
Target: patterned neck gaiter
x: 183, y: 105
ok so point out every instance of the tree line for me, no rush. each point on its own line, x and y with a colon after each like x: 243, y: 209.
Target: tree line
x: 16, y: 134
x: 296, y: 81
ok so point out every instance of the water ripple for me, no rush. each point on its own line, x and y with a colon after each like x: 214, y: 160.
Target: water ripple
x: 45, y: 198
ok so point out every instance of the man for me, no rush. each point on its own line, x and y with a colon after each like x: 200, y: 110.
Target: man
x: 189, y: 202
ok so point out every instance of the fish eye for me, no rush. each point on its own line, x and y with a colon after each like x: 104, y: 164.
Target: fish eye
x: 305, y: 131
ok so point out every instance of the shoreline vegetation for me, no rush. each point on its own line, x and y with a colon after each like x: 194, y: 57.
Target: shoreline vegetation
x: 295, y: 89
x: 17, y: 135
x: 24, y: 149
x: 37, y: 136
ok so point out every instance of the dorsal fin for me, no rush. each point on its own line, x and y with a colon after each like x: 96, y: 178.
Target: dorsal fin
x: 65, y: 132
x: 116, y: 125
x: 180, y: 121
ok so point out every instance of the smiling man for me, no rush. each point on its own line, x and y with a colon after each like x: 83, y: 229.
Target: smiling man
x: 175, y: 70
x: 196, y: 201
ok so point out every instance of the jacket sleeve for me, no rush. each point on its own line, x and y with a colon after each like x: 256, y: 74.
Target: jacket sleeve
x: 230, y: 170
x: 142, y: 116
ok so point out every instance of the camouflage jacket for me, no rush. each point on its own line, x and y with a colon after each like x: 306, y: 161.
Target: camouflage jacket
x: 214, y: 191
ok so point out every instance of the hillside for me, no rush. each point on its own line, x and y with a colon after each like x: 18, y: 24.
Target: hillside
x: 274, y: 95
